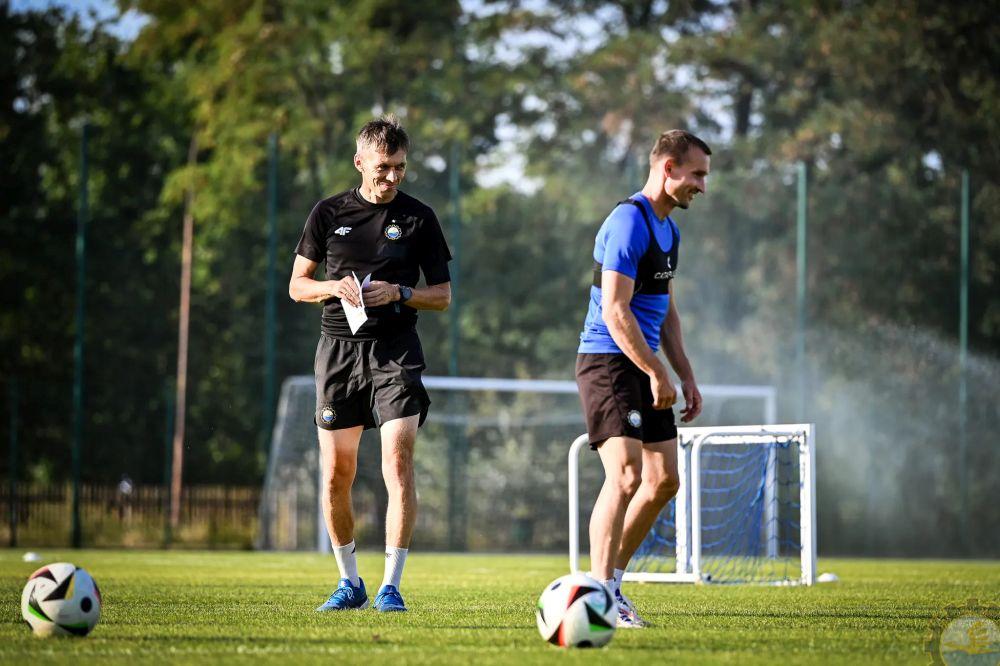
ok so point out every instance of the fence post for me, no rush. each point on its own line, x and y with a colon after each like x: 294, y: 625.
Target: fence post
x: 270, y: 301
x: 12, y: 495
x: 168, y: 462
x: 83, y: 212
x: 963, y: 350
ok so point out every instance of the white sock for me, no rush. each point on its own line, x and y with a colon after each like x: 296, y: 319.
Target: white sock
x: 618, y: 579
x: 347, y: 563
x: 395, y: 558
x: 609, y: 583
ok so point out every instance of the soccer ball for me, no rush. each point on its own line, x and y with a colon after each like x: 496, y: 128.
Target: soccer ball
x: 576, y: 611
x: 61, y: 599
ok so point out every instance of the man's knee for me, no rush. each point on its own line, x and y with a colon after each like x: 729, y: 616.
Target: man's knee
x: 397, y: 471
x: 662, y: 487
x: 341, y: 472
x: 627, y: 480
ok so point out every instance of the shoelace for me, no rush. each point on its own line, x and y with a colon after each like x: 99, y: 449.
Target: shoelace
x: 343, y: 594
x: 394, y: 597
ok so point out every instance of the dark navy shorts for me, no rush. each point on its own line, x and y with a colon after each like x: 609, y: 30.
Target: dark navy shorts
x: 618, y: 401
x: 368, y: 382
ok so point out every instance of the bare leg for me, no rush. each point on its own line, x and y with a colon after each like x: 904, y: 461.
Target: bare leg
x: 398, y: 439
x: 339, y: 459
x: 622, y: 459
x: 659, y: 484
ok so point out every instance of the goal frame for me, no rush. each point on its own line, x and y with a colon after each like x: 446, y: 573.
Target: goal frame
x: 766, y: 394
x: 687, y: 520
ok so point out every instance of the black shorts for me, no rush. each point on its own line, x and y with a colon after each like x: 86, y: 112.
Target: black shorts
x: 618, y: 401
x: 369, y: 382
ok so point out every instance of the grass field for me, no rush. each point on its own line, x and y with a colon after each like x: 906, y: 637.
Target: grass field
x: 212, y: 607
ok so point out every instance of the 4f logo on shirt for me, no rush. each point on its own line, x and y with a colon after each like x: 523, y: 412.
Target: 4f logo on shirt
x: 343, y: 231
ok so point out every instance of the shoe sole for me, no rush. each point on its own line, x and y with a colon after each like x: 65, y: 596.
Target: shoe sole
x: 624, y: 625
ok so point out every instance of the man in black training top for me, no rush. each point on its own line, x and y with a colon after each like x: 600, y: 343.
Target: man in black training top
x: 371, y: 377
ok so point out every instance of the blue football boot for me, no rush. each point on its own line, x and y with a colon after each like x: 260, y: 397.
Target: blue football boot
x: 389, y: 600
x: 346, y: 597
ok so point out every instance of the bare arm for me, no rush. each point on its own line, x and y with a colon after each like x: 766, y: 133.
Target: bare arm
x: 673, y: 347
x: 303, y: 287
x: 616, y: 293
x: 435, y: 297
x: 673, y: 342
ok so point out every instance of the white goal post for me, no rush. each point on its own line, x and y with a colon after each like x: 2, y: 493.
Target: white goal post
x: 796, y: 473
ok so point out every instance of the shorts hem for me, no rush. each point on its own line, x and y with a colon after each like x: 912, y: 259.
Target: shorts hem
x: 422, y: 413
x: 331, y: 428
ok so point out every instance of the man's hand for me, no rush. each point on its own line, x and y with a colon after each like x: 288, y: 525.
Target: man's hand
x: 346, y: 289
x: 664, y: 394
x: 379, y: 293
x: 692, y: 401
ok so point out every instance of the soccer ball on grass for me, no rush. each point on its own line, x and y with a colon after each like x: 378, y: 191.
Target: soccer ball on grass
x: 62, y: 600
x: 576, y: 611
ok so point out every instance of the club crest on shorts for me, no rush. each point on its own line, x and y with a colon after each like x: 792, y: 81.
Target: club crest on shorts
x: 634, y: 418
x: 327, y: 414
x: 393, y: 231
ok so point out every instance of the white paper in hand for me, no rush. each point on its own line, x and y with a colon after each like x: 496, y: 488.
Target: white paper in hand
x: 356, y: 316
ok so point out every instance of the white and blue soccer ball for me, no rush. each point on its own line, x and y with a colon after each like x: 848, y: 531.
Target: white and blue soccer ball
x: 61, y: 600
x: 576, y: 611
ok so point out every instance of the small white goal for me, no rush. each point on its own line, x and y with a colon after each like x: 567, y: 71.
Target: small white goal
x: 745, y: 511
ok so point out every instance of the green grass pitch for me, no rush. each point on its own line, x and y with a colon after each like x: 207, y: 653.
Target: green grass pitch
x: 220, y: 607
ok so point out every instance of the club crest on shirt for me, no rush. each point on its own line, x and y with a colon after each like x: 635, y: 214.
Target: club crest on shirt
x: 634, y: 418
x: 393, y: 231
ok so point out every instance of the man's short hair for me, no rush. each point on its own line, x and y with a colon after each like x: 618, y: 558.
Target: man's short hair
x: 675, y: 144
x: 385, y: 135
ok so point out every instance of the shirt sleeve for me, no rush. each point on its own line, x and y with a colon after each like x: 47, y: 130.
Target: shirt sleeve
x: 434, y: 253
x: 625, y: 238
x: 312, y: 243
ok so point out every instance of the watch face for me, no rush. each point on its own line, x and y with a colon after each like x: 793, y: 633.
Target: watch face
x: 405, y: 293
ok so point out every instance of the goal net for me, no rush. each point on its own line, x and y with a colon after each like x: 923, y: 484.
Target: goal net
x: 744, y: 513
x: 489, y: 464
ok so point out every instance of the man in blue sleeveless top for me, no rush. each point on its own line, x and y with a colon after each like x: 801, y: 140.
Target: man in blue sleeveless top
x: 625, y: 389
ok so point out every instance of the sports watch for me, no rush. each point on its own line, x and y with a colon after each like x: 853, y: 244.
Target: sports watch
x: 405, y: 293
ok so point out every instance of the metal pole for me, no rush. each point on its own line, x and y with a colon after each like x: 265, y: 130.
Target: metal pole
x: 12, y: 503
x: 800, y: 289
x: 963, y: 351
x: 458, y: 454
x: 83, y: 212
x: 454, y: 188
x: 270, y: 317
x: 168, y: 402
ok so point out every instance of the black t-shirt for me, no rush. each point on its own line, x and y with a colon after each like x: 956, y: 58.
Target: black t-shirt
x: 394, y: 242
